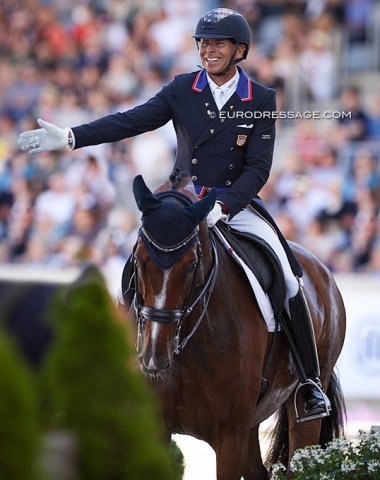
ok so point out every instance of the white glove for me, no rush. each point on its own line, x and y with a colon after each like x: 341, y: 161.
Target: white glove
x: 215, y: 215
x: 49, y: 137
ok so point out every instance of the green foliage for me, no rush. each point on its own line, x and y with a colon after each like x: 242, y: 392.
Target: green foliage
x: 342, y: 459
x: 19, y: 432
x: 177, y: 459
x: 92, y: 389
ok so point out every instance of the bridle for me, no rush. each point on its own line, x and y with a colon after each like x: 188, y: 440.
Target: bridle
x: 177, y: 316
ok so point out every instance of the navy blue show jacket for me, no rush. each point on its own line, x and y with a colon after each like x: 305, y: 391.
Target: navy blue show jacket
x: 231, y: 150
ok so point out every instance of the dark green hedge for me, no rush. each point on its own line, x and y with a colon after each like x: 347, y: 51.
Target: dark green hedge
x: 88, y: 385
x: 19, y: 428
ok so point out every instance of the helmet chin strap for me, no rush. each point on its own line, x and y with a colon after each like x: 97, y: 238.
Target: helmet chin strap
x: 229, y: 66
x: 231, y: 63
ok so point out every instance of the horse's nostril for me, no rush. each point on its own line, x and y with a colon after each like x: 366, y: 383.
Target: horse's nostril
x: 148, y: 363
x: 151, y: 364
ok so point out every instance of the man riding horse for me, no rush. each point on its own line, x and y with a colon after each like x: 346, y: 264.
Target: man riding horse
x: 223, y: 145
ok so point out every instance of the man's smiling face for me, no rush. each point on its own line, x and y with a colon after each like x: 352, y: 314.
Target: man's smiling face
x: 216, y: 54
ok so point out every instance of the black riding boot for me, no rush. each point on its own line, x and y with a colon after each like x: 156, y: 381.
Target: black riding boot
x: 316, y: 403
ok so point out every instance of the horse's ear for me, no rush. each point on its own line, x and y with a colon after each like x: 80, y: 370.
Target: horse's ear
x: 198, y: 211
x: 146, y: 201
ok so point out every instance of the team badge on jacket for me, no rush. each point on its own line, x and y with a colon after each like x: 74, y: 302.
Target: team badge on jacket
x: 241, y: 139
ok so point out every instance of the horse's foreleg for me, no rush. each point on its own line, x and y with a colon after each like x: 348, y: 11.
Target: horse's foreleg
x: 301, y: 434
x: 253, y: 467
x: 230, y: 452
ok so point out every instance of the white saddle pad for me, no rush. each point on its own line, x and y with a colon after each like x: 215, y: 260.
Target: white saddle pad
x: 261, y: 297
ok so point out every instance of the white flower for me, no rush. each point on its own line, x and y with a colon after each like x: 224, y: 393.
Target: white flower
x: 373, y: 466
x: 348, y: 466
x: 278, y: 469
x: 374, y: 447
x: 356, y: 458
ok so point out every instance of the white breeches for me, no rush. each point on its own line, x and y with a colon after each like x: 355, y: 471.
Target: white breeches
x: 250, y: 222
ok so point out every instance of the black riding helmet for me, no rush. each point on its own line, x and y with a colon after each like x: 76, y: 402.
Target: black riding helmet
x: 225, y: 23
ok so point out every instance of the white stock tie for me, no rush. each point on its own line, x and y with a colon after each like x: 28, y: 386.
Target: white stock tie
x: 219, y: 98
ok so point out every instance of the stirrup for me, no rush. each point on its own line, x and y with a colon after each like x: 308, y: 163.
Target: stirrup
x: 306, y: 417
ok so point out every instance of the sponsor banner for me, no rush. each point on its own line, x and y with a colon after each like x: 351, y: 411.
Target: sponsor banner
x: 359, y: 363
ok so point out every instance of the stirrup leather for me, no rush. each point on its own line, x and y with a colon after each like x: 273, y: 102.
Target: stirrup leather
x: 306, y: 417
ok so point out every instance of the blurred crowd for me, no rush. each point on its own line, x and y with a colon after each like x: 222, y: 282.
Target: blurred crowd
x: 74, y: 61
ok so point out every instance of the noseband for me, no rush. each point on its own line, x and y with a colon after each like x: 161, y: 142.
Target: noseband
x: 177, y: 316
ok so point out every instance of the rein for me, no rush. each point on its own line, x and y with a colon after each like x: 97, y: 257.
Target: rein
x: 144, y: 312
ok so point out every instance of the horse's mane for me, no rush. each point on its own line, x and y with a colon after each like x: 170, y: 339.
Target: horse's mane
x: 179, y: 178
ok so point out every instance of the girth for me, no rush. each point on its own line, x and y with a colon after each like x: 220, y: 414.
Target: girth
x: 260, y: 257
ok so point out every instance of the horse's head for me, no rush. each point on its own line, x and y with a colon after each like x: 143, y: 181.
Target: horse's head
x: 168, y: 270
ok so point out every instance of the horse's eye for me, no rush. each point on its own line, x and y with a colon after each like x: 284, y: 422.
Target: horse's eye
x: 137, y: 263
x: 191, y: 269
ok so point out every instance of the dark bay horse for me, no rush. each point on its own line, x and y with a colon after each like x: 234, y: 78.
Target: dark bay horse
x: 204, y: 344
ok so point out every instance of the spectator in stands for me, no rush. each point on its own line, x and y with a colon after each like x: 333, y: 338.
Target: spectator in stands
x: 37, y: 41
x: 373, y: 265
x: 361, y: 216
x: 318, y: 67
x: 6, y: 201
x: 307, y: 141
x: 21, y: 227
x: 365, y: 232
x: 90, y: 174
x: 352, y: 128
x: 357, y: 14
x: 54, y: 208
x: 363, y: 173
x: 325, y: 183
x: 374, y: 117
x: 85, y: 227
x: 266, y: 74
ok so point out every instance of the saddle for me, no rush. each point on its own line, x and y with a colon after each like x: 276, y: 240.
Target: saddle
x: 261, y: 259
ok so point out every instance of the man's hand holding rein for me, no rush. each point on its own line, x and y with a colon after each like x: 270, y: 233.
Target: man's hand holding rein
x: 219, y: 212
